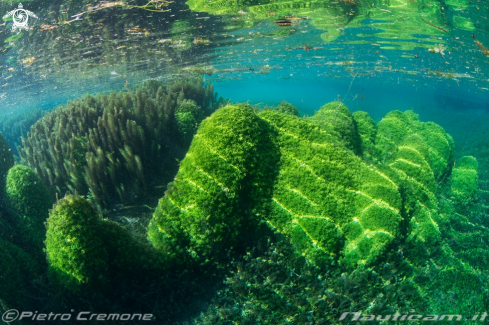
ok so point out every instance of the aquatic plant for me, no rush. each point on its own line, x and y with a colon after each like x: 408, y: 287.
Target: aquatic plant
x: 77, y: 256
x: 325, y: 209
x: 465, y: 181
x: 336, y: 119
x: 367, y: 130
x: 96, y: 261
x: 287, y: 108
x: 28, y: 203
x: 321, y: 221
x: 119, y: 148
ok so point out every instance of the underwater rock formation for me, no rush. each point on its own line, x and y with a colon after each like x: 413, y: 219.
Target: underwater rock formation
x: 465, y: 181
x: 28, y: 203
x: 96, y: 260
x: 119, y: 148
x: 295, y: 200
x: 286, y: 108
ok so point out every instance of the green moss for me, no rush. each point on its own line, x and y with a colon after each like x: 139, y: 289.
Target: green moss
x: 465, y: 181
x: 336, y: 119
x: 287, y: 108
x: 187, y: 116
x: 320, y: 188
x: 28, y: 201
x: 367, y: 131
x: 77, y: 256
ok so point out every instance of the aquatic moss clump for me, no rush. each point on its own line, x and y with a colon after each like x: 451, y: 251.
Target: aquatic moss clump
x: 28, y: 202
x: 325, y: 219
x: 96, y: 263
x: 287, y: 108
x: 77, y: 256
x: 465, y: 181
x: 118, y: 148
x: 367, y: 130
x: 322, y: 196
x: 336, y: 119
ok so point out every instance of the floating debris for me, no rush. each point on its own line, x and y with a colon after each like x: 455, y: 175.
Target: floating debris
x: 483, y: 49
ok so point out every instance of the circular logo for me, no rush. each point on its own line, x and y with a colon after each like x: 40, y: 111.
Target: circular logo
x: 10, y: 315
x: 20, y: 17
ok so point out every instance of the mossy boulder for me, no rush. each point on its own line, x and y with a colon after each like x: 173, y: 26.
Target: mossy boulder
x: 291, y: 173
x: 465, y: 181
x: 28, y: 202
x: 336, y: 119
x: 287, y: 108
x: 367, y: 130
x: 77, y: 255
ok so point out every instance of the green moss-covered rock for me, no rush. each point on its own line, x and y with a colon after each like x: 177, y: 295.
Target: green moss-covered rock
x: 77, y: 255
x: 28, y: 201
x: 287, y: 108
x: 188, y: 116
x: 314, y: 190
x: 336, y: 119
x: 367, y: 130
x: 465, y: 181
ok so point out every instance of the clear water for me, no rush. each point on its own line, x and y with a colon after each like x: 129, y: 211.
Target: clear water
x: 152, y: 171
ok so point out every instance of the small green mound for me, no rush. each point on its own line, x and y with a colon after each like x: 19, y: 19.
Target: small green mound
x: 28, y: 201
x: 77, y: 255
x: 287, y: 108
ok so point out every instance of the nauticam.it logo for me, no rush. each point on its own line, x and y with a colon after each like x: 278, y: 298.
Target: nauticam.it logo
x: 20, y: 17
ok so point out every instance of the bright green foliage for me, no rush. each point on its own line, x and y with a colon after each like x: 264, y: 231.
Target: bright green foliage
x: 421, y: 154
x: 336, y: 119
x: 119, y: 148
x: 77, y: 255
x: 287, y: 108
x: 323, y: 197
x: 367, y: 130
x: 465, y: 181
x: 327, y: 203
x: 28, y: 201
x: 187, y: 115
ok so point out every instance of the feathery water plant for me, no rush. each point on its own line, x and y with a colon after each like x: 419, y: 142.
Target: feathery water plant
x: 119, y: 148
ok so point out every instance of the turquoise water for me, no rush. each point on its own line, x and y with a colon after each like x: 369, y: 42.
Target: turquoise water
x: 244, y: 162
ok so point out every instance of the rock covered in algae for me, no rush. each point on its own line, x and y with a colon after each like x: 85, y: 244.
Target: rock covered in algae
x: 314, y: 188
x: 465, y: 181
x: 325, y: 211
x: 76, y: 252
x: 28, y: 202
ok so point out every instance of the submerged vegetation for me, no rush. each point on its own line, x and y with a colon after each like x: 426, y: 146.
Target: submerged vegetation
x: 119, y: 148
x: 271, y: 217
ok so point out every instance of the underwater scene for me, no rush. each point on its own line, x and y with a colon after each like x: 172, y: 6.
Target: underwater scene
x: 244, y: 162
